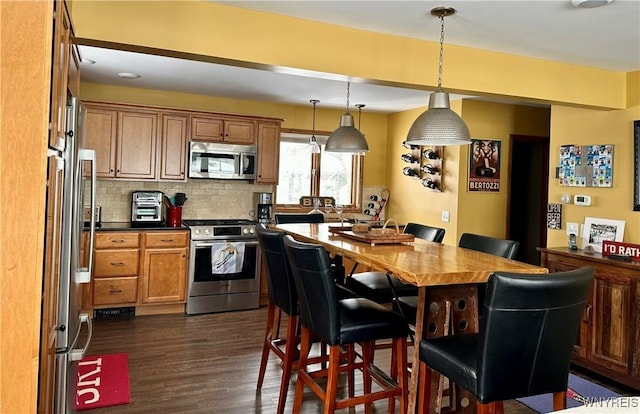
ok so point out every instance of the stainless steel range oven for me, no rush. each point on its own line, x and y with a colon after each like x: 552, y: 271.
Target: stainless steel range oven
x: 224, y: 271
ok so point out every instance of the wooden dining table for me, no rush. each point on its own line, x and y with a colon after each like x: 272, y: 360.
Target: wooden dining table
x: 421, y: 263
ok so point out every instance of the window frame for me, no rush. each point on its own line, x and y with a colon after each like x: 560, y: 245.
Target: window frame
x: 356, y: 177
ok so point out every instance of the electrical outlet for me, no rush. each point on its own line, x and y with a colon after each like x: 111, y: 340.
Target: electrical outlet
x: 572, y: 228
x: 445, y: 216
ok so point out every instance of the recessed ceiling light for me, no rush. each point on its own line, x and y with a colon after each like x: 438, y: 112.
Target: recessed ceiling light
x: 128, y: 75
x: 590, y: 4
x: 87, y: 62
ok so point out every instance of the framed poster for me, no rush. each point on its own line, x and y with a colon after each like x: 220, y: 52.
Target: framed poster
x: 484, y: 165
x: 554, y: 216
x: 586, y: 166
x: 596, y: 230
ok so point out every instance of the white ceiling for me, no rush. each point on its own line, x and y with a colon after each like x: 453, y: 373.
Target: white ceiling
x: 606, y: 37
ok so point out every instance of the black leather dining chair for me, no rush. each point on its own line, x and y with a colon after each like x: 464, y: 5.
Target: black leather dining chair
x: 283, y: 218
x: 528, y: 326
x: 380, y: 287
x: 486, y: 244
x: 282, y: 298
x: 343, y: 323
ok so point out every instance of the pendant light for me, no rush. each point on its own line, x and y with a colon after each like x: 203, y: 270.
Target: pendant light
x: 439, y: 125
x: 313, y: 146
x: 347, y: 138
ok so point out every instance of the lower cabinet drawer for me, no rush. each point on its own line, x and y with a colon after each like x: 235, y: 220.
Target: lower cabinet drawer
x: 117, y: 290
x: 110, y: 263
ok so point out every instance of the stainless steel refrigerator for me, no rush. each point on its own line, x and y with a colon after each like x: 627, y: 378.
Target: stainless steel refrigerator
x: 78, y: 190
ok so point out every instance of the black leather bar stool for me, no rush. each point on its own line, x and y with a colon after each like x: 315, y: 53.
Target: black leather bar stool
x: 486, y: 244
x: 528, y: 327
x: 282, y: 298
x: 343, y: 323
x: 380, y: 287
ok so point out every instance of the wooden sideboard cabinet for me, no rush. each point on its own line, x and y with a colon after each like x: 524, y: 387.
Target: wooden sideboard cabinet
x: 609, y: 338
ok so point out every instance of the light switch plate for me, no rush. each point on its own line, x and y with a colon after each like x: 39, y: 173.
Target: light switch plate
x: 572, y: 228
x: 445, y: 216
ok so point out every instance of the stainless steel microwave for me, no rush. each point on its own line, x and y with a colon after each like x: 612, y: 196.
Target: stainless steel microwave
x: 222, y: 161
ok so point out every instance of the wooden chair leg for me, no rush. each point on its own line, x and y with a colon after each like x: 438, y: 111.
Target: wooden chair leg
x: 367, y: 360
x: 289, y: 356
x: 305, y: 345
x: 266, y: 343
x: 424, y: 393
x: 559, y: 400
x: 400, y: 352
x: 499, y: 407
x: 485, y: 408
x: 331, y: 393
x: 351, y: 384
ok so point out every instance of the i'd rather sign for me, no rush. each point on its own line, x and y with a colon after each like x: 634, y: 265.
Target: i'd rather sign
x: 623, y: 249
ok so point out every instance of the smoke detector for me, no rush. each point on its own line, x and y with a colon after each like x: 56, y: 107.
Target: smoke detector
x: 589, y: 4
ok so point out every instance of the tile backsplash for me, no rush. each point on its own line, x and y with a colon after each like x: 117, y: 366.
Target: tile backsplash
x: 211, y: 199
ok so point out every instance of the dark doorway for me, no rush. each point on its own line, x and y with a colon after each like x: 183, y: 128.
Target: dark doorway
x: 529, y: 172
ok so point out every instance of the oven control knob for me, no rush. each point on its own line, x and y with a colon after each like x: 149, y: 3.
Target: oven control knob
x: 251, y: 230
x: 207, y: 231
x: 197, y: 231
x: 245, y: 230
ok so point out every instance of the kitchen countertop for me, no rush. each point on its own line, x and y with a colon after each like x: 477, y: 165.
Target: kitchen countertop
x: 126, y: 226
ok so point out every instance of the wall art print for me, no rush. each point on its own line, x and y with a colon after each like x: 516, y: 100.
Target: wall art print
x: 597, y: 230
x: 586, y: 166
x: 484, y: 165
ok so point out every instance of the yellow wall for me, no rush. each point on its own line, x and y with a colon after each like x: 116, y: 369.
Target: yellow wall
x: 410, y: 201
x: 224, y: 32
x: 584, y: 127
x: 373, y: 125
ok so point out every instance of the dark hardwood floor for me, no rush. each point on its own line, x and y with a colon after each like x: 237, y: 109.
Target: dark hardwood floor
x: 204, y: 364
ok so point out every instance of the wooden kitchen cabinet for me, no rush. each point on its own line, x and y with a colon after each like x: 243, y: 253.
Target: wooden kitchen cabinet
x: 125, y: 141
x: 173, y: 147
x: 62, y: 45
x: 164, y: 270
x: 116, y: 269
x: 133, y: 268
x: 609, y: 334
x: 268, y: 152
x: 220, y: 129
x: 136, y: 144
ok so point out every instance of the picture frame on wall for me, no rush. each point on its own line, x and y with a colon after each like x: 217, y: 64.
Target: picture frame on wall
x: 596, y: 230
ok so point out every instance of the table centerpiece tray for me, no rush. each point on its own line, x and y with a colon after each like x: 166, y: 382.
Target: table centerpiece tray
x: 377, y: 235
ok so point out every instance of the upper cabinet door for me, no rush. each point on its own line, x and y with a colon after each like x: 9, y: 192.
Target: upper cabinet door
x: 268, y: 152
x: 136, y: 147
x: 237, y: 131
x: 207, y: 129
x: 101, y: 129
x: 173, y: 147
x: 59, y: 75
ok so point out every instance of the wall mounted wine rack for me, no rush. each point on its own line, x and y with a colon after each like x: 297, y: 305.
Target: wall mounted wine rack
x: 425, y: 163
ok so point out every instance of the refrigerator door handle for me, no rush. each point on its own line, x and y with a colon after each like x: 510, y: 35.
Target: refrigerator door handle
x: 77, y: 354
x: 83, y: 274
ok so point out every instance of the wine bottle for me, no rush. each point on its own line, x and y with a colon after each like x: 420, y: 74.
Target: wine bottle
x: 429, y: 169
x: 374, y: 197
x: 430, y: 154
x: 407, y: 145
x: 410, y: 172
x: 429, y: 183
x: 374, y: 206
x: 369, y: 212
x: 409, y: 158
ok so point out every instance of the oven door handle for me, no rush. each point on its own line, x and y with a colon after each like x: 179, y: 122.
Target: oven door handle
x: 209, y: 244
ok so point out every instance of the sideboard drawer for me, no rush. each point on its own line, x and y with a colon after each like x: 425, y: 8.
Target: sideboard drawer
x: 117, y: 290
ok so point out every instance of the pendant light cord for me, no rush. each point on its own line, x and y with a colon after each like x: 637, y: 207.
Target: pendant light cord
x: 441, y: 58
x: 348, y: 85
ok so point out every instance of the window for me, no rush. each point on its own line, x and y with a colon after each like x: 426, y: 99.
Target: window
x: 328, y: 174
